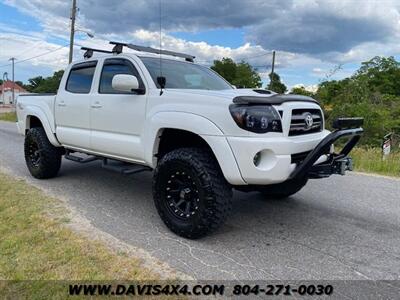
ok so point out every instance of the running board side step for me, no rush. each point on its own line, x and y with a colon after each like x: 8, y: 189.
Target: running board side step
x: 81, y: 160
x: 123, y: 168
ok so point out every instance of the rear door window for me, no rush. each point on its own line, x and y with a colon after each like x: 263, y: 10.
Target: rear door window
x: 81, y: 77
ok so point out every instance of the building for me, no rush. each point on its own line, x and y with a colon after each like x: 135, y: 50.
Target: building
x: 6, y: 92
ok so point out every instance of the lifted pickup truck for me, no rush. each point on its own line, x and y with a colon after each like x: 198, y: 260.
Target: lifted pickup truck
x: 200, y: 135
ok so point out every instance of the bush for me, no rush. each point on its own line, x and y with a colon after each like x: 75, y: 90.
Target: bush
x: 373, y: 92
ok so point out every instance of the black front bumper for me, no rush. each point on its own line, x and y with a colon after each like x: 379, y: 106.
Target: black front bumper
x: 337, y: 163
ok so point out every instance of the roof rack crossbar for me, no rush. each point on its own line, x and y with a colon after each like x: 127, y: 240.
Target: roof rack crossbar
x: 89, y: 52
x: 187, y: 57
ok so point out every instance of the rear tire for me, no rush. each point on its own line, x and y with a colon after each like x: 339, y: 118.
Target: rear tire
x: 284, y: 189
x: 42, y: 158
x: 190, y: 192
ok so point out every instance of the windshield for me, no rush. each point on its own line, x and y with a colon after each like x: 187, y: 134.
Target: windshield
x: 181, y: 75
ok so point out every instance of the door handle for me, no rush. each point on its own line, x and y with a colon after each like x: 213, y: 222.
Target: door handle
x: 62, y: 103
x: 96, y: 105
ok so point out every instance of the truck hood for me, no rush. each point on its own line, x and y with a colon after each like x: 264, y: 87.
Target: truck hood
x: 248, y: 96
x: 228, y: 94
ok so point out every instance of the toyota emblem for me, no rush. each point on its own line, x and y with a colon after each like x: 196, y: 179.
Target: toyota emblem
x: 309, y: 120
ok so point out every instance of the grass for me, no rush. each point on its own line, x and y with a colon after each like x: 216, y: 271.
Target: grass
x: 37, y: 247
x: 9, y: 117
x: 370, y: 160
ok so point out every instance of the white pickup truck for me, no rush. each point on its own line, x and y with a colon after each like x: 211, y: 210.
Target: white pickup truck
x: 200, y: 135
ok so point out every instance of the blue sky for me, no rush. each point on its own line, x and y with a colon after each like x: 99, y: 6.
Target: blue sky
x: 11, y: 16
x: 23, y: 22
x: 311, y: 38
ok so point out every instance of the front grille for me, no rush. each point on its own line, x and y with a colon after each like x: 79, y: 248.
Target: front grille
x: 298, y: 125
x: 297, y: 158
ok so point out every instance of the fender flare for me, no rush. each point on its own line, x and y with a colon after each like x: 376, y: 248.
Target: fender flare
x: 196, y: 124
x: 34, y: 111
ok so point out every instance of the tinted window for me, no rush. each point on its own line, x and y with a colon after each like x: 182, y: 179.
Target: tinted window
x: 114, y: 67
x: 80, y: 78
x: 181, y: 75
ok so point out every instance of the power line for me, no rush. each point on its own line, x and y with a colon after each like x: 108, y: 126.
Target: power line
x: 43, y: 54
x: 37, y: 56
x: 36, y: 44
x: 257, y: 56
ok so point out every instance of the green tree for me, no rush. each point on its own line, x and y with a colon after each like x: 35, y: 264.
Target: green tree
x: 382, y: 75
x: 45, y: 85
x: 242, y: 75
x: 275, y: 84
x: 373, y: 92
x: 21, y: 84
x: 329, y: 90
x: 34, y: 83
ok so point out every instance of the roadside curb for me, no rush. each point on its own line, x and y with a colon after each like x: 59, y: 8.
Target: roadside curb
x: 376, y: 175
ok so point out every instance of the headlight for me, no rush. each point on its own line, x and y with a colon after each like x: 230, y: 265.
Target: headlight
x: 256, y: 118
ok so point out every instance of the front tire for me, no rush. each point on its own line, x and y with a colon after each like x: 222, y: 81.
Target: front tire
x: 190, y: 192
x: 42, y: 158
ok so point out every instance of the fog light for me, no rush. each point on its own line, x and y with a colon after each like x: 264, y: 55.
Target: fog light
x: 265, y: 160
x: 257, y: 159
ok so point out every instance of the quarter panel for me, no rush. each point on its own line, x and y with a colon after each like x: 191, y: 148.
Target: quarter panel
x: 198, y: 125
x: 44, y: 119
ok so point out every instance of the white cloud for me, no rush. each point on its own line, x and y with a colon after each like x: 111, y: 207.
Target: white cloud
x: 25, y: 46
x: 316, y: 27
x: 206, y: 53
x: 311, y: 36
x: 53, y: 15
x: 318, y: 71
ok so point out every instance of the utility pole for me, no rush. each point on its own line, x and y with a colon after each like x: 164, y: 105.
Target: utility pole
x: 71, y: 41
x: 13, y: 80
x: 273, y: 69
x: 5, y: 78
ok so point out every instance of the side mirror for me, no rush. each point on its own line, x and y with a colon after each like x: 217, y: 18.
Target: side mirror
x: 125, y: 83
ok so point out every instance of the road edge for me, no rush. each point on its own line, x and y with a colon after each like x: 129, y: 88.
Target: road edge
x: 376, y: 175
x: 79, y: 224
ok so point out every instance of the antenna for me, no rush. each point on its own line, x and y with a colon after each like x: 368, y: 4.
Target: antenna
x: 161, y: 79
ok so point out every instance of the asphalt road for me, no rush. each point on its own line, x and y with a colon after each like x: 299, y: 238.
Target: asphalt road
x: 337, y: 228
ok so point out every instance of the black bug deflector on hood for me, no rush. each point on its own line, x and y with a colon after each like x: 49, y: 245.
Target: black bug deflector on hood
x: 273, y: 100
x: 337, y: 163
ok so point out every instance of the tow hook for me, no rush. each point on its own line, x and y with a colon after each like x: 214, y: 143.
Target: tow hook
x: 343, y: 165
x: 337, y: 163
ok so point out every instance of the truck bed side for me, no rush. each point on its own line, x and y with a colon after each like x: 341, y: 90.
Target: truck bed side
x: 32, y: 108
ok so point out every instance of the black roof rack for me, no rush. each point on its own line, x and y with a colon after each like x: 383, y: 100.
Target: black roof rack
x: 89, y: 52
x: 119, y: 46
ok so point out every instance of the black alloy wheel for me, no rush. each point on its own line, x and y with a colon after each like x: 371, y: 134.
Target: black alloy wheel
x: 190, y: 192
